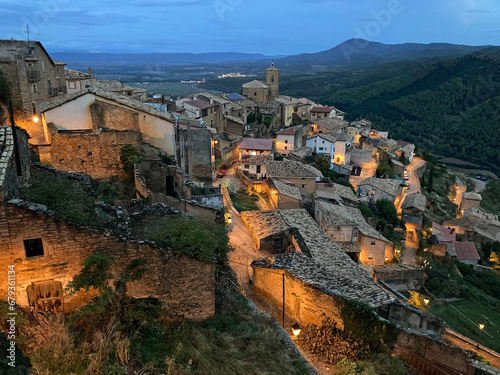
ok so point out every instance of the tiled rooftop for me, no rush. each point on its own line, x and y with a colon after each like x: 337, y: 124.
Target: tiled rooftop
x: 328, y: 267
x: 74, y: 75
x: 257, y: 144
x: 255, y: 85
x: 472, y: 196
x: 288, y: 168
x: 200, y: 104
x: 332, y: 123
x: 322, y: 109
x: 466, y: 250
x: 391, y: 187
x: 414, y: 200
x: 256, y: 159
x: 289, y: 131
x: 339, y: 216
x: 287, y: 189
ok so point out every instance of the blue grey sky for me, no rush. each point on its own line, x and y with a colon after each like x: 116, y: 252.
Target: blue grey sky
x: 263, y: 26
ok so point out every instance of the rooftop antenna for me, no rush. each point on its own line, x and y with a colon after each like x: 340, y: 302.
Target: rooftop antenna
x: 28, y: 32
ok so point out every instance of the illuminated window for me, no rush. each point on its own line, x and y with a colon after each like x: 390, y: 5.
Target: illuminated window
x: 253, y: 153
x: 370, y: 256
x: 33, y: 247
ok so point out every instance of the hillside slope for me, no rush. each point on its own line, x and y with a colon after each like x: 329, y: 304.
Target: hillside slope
x: 451, y: 107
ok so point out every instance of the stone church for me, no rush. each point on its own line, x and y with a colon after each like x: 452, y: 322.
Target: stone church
x: 264, y: 92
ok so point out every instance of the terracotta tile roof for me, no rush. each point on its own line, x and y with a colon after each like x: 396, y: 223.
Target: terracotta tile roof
x: 287, y: 168
x: 200, y: 104
x: 443, y: 234
x: 322, y: 263
x: 322, y: 109
x: 257, y: 144
x: 466, y: 250
x: 289, y: 131
x: 6, y: 150
x: 255, y: 85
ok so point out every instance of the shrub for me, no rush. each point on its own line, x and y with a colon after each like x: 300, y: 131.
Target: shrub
x: 129, y: 156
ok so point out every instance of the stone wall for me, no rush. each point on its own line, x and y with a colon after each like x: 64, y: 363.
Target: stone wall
x: 10, y: 157
x: 186, y: 285
x: 401, y: 277
x: 303, y: 302
x: 432, y: 357
x: 96, y: 154
x: 108, y: 116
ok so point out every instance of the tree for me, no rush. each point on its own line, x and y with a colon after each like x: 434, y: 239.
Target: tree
x: 386, y: 211
x: 251, y: 118
x: 322, y: 163
x: 4, y: 97
x: 430, y: 181
x: 268, y: 120
x: 384, y: 170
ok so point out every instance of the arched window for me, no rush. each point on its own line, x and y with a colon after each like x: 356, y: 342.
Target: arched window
x: 272, y: 78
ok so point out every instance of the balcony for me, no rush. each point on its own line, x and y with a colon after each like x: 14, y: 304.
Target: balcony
x: 33, y: 76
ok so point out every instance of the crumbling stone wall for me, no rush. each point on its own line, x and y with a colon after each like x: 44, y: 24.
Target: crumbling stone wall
x: 96, y: 154
x: 108, y: 116
x: 186, y: 285
x: 432, y: 357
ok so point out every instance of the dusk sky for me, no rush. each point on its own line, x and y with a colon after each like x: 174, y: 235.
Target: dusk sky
x: 263, y: 26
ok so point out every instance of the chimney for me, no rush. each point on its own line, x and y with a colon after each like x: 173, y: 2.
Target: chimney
x: 90, y: 71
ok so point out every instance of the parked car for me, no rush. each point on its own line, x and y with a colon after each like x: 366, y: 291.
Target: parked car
x: 478, y: 177
x: 484, y: 178
x: 222, y: 173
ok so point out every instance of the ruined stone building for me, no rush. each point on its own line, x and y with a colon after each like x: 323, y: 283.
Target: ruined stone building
x: 33, y: 77
x: 47, y: 252
x: 78, y: 81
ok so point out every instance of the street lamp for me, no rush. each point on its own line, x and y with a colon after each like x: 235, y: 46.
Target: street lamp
x: 296, y: 329
x: 35, y: 119
x: 481, y: 326
x: 426, y: 301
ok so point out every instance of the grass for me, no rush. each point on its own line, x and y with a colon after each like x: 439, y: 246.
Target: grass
x: 476, y: 312
x: 243, y: 202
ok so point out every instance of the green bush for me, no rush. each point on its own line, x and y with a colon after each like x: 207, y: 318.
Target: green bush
x: 129, y: 156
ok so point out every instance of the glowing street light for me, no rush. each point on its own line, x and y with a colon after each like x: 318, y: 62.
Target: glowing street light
x: 296, y: 329
x: 35, y: 119
x: 426, y: 301
x: 481, y: 326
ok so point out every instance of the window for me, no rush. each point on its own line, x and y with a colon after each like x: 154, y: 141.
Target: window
x: 35, y: 88
x: 373, y: 243
x: 42, y: 63
x: 286, y: 140
x: 254, y: 94
x: 338, y: 159
x: 323, y: 142
x: 247, y: 166
x: 253, y: 153
x: 374, y: 191
x: 272, y: 78
x: 33, y: 108
x: 72, y: 85
x: 320, y: 148
x: 370, y: 256
x: 303, y: 186
x: 286, y: 148
x: 33, y: 247
x: 258, y: 169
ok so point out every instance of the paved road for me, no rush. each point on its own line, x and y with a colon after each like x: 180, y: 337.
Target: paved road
x: 409, y: 255
x: 461, y: 188
x: 413, y: 180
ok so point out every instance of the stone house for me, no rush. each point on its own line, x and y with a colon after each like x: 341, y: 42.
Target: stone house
x: 33, y: 77
x: 289, y: 140
x: 318, y: 113
x: 398, y: 167
x: 475, y: 230
x: 284, y: 195
x: 407, y: 149
x: 254, y: 167
x: 255, y: 146
x: 442, y: 234
x: 464, y: 252
x: 348, y: 228
x: 203, y: 111
x: 287, y: 110
x: 373, y: 189
x: 412, y: 211
x: 120, y: 88
x: 196, y: 154
x: 469, y: 200
x: 84, y: 131
x: 328, y: 125
x: 336, y: 193
x: 78, y: 82
x: 301, y: 175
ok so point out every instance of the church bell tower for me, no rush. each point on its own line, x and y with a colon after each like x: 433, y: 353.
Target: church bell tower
x: 273, y: 81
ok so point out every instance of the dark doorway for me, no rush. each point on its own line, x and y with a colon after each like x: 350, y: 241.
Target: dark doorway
x: 170, y: 186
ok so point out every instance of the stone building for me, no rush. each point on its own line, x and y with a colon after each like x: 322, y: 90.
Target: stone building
x: 328, y: 125
x: 289, y: 140
x: 301, y: 175
x: 264, y: 91
x: 348, y: 228
x: 284, y: 195
x: 33, y: 77
x: 469, y: 200
x: 85, y: 131
x: 255, y: 146
x: 204, y: 112
x: 46, y: 253
x: 78, y: 82
x: 122, y: 89
x: 412, y: 211
x: 373, y: 189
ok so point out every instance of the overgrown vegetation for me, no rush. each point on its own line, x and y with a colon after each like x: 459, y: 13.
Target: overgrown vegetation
x: 129, y: 156
x: 4, y: 97
x: 117, y: 335
x: 189, y: 236
x: 491, y: 197
x: 243, y: 201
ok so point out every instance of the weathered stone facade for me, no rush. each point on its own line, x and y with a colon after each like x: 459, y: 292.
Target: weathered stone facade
x: 33, y: 77
x: 185, y: 285
x: 94, y: 153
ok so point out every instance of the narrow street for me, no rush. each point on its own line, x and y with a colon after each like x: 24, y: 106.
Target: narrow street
x: 409, y: 254
x: 413, y: 180
x: 461, y: 188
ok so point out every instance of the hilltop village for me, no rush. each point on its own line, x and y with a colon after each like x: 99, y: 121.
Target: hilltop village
x: 320, y: 212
